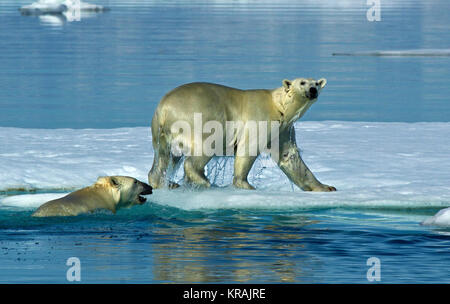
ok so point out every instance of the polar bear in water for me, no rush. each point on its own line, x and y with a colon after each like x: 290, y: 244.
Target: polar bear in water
x: 109, y: 192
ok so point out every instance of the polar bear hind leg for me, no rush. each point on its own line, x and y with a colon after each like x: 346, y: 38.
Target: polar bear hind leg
x: 194, y: 171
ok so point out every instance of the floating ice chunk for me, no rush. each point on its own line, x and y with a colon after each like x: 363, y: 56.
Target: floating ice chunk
x: 59, y: 7
x: 405, y: 53
x: 442, y: 218
x: 44, y: 7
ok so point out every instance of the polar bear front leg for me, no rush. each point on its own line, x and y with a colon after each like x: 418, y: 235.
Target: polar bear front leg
x: 296, y: 170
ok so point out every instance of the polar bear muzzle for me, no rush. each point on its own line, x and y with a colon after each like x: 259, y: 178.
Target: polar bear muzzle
x: 312, y: 93
x: 147, y: 190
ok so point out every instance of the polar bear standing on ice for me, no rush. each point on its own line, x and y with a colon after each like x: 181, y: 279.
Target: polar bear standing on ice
x: 221, y: 105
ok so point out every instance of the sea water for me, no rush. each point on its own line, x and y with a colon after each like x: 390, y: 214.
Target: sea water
x: 76, y: 100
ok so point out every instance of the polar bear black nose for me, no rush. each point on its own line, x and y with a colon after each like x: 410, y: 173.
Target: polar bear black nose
x: 313, y: 92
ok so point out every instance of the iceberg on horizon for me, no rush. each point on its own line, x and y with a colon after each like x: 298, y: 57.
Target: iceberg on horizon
x: 399, y: 53
x: 42, y: 7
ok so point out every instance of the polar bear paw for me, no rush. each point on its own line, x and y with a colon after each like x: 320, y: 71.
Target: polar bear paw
x: 324, y: 188
x: 242, y: 184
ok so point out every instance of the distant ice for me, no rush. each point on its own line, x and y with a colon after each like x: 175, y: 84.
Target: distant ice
x: 373, y: 165
x: 59, y: 7
x: 405, y: 53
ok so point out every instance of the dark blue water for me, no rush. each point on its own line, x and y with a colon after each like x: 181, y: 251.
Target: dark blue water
x: 161, y: 244
x: 110, y: 71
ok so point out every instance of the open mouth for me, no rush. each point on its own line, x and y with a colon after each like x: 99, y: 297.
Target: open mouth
x: 142, y: 199
x: 147, y: 191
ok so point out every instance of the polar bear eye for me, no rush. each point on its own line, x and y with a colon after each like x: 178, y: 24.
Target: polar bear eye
x: 302, y: 82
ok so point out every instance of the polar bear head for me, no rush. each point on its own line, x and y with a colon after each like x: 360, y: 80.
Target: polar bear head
x: 308, y: 88
x: 299, y: 95
x: 126, y: 191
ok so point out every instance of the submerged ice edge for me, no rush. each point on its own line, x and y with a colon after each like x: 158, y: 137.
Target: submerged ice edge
x: 232, y: 199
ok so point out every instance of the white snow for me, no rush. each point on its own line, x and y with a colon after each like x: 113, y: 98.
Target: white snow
x: 30, y: 200
x: 373, y: 165
x: 68, y: 158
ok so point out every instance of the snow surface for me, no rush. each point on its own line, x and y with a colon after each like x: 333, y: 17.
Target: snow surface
x: 373, y: 165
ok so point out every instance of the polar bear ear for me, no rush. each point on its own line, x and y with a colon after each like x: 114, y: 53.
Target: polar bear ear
x: 322, y: 82
x: 114, y: 182
x: 287, y: 85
